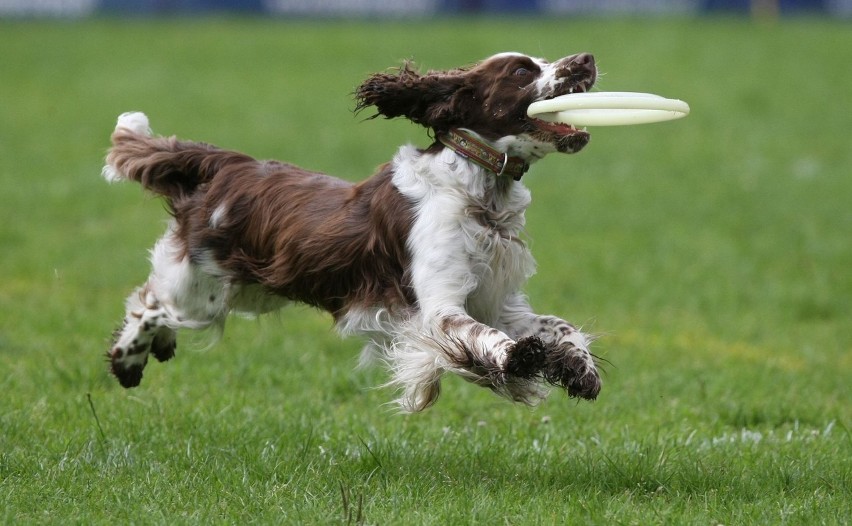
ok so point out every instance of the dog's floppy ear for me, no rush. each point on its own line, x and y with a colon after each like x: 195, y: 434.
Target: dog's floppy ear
x: 429, y: 99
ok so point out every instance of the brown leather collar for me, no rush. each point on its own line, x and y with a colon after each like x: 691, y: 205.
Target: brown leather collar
x: 485, y: 156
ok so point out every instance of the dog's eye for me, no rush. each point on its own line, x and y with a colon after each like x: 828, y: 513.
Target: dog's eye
x: 522, y: 72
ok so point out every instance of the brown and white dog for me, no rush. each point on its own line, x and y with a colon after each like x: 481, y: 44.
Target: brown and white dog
x: 424, y: 258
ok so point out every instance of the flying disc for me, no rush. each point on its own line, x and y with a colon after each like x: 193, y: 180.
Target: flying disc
x: 608, y: 108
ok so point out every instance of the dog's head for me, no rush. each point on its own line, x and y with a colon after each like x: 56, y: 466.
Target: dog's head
x: 490, y: 98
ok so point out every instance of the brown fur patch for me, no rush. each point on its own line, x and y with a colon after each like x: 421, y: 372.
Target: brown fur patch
x: 302, y: 235
x: 305, y: 236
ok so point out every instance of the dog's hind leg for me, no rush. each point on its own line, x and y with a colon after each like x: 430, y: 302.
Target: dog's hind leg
x: 144, y: 331
x: 178, y: 294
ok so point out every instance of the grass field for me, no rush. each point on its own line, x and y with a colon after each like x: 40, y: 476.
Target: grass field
x: 712, y: 254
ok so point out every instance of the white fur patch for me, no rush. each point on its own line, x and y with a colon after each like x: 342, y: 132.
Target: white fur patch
x: 112, y: 175
x: 193, y: 298
x: 135, y: 121
x: 218, y: 215
x: 466, y: 246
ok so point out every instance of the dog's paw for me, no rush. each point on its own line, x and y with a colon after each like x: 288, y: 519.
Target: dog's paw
x: 128, y: 356
x: 574, y: 370
x: 164, y: 344
x: 526, y: 358
x: 127, y: 372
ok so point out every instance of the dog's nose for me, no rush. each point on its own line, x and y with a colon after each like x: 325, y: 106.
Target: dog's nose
x: 579, y: 70
x: 583, y: 60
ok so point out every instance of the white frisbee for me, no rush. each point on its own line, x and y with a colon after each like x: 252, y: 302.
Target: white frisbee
x: 608, y: 108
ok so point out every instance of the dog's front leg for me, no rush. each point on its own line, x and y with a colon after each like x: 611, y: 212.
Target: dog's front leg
x: 568, y: 362
x: 435, y: 342
x: 485, y: 355
x: 488, y: 353
x: 449, y: 260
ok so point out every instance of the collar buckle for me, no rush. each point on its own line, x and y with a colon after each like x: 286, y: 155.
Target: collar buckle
x: 503, y: 164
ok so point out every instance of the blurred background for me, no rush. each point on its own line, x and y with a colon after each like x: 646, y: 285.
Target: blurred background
x: 371, y: 8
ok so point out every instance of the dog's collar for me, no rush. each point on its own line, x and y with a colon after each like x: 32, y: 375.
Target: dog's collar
x: 485, y: 156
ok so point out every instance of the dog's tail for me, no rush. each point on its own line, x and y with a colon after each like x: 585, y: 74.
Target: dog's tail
x: 163, y: 165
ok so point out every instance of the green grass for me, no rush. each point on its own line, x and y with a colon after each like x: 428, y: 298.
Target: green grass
x: 712, y: 254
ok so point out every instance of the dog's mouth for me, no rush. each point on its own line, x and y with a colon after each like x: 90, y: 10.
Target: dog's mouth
x: 558, y: 128
x: 566, y: 138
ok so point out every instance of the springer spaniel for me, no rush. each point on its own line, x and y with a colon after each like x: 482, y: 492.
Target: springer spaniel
x: 425, y: 258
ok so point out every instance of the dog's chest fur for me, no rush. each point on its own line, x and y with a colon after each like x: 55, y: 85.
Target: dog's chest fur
x: 469, y: 225
x: 500, y: 260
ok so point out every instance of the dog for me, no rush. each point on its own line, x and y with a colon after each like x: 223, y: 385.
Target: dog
x: 425, y: 259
